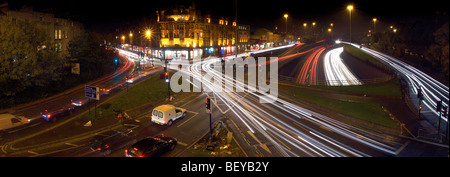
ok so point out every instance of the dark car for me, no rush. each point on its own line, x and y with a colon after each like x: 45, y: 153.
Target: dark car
x: 113, y: 141
x: 61, y: 112
x: 151, y: 147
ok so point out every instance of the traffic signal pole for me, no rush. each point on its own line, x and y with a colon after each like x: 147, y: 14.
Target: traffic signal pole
x: 208, y: 110
x: 166, y: 78
x: 439, y: 108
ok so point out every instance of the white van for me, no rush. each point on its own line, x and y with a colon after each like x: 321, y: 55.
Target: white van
x: 9, y: 121
x: 167, y: 114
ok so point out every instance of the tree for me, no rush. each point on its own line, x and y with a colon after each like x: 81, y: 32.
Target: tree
x: 27, y: 57
x: 438, y: 52
x: 94, y: 60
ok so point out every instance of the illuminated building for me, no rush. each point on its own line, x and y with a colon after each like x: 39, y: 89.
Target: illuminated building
x: 186, y: 34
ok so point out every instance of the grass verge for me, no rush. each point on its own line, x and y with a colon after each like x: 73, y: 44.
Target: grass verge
x: 390, y: 88
x: 366, y: 111
x: 149, y: 90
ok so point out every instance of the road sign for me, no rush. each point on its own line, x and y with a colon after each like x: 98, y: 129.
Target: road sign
x: 92, y: 92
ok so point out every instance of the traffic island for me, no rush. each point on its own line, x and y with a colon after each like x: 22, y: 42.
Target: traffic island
x: 219, y: 143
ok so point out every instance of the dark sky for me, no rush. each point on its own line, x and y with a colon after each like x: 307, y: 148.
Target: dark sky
x: 107, y: 15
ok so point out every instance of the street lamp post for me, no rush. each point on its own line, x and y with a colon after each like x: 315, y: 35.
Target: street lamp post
x: 286, y: 17
x: 131, y: 38
x: 350, y: 8
x: 314, y: 28
x: 148, y: 35
x: 304, y: 25
x: 374, y: 24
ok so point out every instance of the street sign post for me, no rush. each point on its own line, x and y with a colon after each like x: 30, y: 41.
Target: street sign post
x: 92, y: 93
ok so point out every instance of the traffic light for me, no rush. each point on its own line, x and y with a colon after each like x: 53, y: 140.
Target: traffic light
x: 166, y: 76
x: 439, y: 106
x: 444, y: 111
x: 208, y: 104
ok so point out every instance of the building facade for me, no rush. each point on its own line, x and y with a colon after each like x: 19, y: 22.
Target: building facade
x: 60, y: 30
x: 186, y: 34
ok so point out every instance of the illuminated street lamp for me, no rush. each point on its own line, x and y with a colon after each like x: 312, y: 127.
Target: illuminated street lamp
x: 131, y: 38
x: 304, y: 25
x: 123, y: 39
x: 374, y: 22
x: 286, y: 17
x: 350, y: 8
x: 148, y: 35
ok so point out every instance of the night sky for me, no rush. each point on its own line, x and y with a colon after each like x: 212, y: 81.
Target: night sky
x: 107, y: 15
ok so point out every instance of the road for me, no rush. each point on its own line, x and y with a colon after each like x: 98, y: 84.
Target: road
x: 113, y: 82
x: 284, y: 128
x: 336, y: 72
x: 432, y: 90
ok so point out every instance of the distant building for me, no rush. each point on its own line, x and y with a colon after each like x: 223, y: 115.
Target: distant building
x: 264, y: 38
x: 60, y: 30
x: 186, y: 34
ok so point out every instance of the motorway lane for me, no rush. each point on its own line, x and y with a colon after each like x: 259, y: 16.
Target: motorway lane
x: 432, y: 90
x: 336, y: 72
x: 283, y: 128
x: 260, y: 122
x: 308, y: 74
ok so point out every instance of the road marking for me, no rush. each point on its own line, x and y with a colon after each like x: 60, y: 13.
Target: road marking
x: 321, y: 126
x: 279, y: 140
x: 25, y: 127
x: 188, y: 119
x: 181, y: 143
x: 263, y: 146
x: 401, y: 148
x: 70, y: 144
x: 52, y: 152
x: 188, y: 101
x: 32, y: 152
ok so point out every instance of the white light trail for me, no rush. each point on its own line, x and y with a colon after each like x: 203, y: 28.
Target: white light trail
x: 336, y: 72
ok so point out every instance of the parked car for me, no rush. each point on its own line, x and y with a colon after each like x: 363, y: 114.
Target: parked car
x: 61, y: 112
x: 151, y: 147
x: 167, y: 114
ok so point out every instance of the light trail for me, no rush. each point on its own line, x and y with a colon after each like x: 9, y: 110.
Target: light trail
x: 432, y: 90
x: 336, y: 72
x: 258, y: 119
x: 309, y: 68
